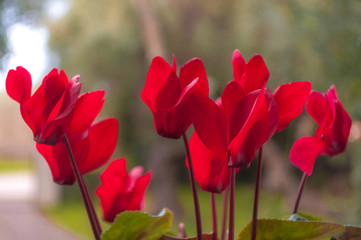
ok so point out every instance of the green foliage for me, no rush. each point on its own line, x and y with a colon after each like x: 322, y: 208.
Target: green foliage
x: 275, y: 229
x: 132, y: 225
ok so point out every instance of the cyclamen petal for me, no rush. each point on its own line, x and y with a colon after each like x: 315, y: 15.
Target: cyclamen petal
x: 305, y: 151
x: 251, y: 76
x: 290, y: 99
x: 210, y: 123
x: 18, y: 84
x: 85, y: 111
x: 210, y: 168
x: 120, y: 191
x: 256, y: 130
x: 331, y: 135
x: 89, y: 153
x: 167, y: 96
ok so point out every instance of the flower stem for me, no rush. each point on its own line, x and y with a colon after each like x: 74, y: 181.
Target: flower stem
x: 231, y: 205
x: 194, y: 189
x: 256, y: 195
x: 214, y: 217
x: 299, y: 194
x: 224, y: 213
x: 94, y: 222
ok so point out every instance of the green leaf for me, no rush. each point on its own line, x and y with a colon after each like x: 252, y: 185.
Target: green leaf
x: 351, y: 233
x: 133, y: 225
x: 275, y: 229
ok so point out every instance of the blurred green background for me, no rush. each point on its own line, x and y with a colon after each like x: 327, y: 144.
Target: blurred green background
x: 111, y: 44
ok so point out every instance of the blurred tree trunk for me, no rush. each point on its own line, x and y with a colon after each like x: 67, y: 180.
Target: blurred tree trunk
x: 150, y: 29
x: 163, y: 152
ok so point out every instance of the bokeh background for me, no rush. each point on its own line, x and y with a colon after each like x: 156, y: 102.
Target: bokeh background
x: 111, y: 44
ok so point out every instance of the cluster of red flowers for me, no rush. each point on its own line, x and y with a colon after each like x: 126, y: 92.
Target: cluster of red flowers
x: 57, y: 109
x: 228, y: 131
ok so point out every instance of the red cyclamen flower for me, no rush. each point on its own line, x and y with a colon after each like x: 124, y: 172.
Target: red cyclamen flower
x: 56, y: 109
x: 120, y: 191
x: 243, y: 119
x: 331, y: 135
x: 167, y: 95
x: 49, y: 109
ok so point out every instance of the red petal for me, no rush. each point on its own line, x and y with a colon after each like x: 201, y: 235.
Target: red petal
x: 102, y: 141
x: 191, y: 70
x: 231, y: 96
x: 137, y: 197
x: 317, y: 106
x: 114, y: 175
x: 57, y: 125
x: 290, y: 99
x: 338, y: 129
x: 239, y: 65
x: 120, y: 191
x: 253, y: 134
x: 162, y: 87
x: 209, y: 123
x: 58, y: 161
x: 18, y: 84
x: 32, y: 110
x: 173, y: 122
x: 210, y: 168
x: 305, y: 151
x: 85, y: 111
x: 257, y: 74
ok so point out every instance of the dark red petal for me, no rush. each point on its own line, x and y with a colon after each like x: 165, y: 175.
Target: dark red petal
x: 305, y: 151
x: 172, y: 123
x: 257, y: 74
x: 162, y: 87
x: 57, y: 125
x: 58, y: 161
x: 210, y: 168
x: 317, y: 106
x: 240, y: 112
x: 70, y: 97
x: 253, y: 134
x: 290, y: 99
x: 239, y: 65
x: 209, y: 123
x: 191, y: 70
x: 231, y: 96
x: 85, y: 111
x: 18, y: 84
x: 337, y: 131
x: 102, y: 141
